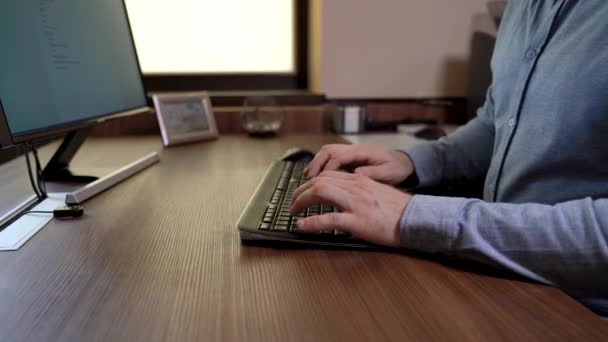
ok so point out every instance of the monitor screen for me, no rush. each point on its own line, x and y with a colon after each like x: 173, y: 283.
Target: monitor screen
x: 64, y: 63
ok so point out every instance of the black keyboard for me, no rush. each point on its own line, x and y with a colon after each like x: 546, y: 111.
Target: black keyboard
x: 267, y: 216
x: 277, y: 216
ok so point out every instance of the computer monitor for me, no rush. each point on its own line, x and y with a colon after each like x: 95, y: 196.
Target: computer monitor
x: 65, y: 65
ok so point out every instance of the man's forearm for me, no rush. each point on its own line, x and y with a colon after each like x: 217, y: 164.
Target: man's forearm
x: 463, y: 155
x: 565, y: 245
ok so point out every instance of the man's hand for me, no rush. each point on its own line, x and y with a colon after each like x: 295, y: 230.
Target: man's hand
x: 379, y: 164
x: 369, y: 210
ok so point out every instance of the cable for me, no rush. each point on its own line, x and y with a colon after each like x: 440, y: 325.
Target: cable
x: 29, y: 170
x: 40, y: 177
x: 39, y: 185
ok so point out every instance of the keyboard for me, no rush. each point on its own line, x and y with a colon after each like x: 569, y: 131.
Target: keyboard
x: 267, y: 216
x: 276, y: 216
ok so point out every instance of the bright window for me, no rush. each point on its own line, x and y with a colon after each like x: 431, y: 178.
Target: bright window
x: 214, y: 36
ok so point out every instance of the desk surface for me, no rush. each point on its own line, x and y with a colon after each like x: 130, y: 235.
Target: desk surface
x: 158, y: 258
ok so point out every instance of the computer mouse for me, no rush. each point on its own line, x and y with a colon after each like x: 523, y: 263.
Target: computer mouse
x: 297, y: 153
x: 430, y: 133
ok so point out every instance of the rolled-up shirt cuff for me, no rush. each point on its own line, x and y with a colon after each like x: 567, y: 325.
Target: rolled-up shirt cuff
x: 429, y: 223
x: 426, y: 166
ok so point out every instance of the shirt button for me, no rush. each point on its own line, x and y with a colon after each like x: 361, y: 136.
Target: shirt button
x: 512, y: 122
x: 530, y: 54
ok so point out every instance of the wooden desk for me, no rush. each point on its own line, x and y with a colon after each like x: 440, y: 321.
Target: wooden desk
x: 158, y: 258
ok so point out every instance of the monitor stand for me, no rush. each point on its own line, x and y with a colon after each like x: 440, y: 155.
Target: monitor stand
x: 57, y: 169
x: 16, y: 228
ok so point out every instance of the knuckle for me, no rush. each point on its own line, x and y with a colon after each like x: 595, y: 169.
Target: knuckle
x: 358, y: 177
x: 320, y: 192
x: 332, y: 149
x: 317, y: 191
x: 325, y: 173
x: 326, y: 148
x: 360, y: 180
x: 314, y: 191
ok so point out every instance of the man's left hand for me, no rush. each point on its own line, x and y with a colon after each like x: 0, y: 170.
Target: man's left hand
x: 369, y: 210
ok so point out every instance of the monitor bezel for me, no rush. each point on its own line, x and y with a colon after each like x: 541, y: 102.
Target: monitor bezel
x: 7, y: 138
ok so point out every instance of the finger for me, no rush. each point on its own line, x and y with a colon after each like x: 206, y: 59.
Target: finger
x: 332, y: 164
x: 338, y: 175
x: 304, y: 187
x: 317, y: 163
x: 340, y: 221
x: 327, y: 193
x: 324, y: 176
x: 344, y: 157
x: 332, y: 157
x: 373, y: 172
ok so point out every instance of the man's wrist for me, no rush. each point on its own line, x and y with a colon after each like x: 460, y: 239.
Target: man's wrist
x: 426, y: 167
x: 411, y: 179
x: 429, y: 223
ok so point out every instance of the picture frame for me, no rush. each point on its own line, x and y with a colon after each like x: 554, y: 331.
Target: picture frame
x: 185, y: 117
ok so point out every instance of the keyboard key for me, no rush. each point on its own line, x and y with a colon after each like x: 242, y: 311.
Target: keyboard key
x: 282, y: 184
x: 294, y: 229
x: 280, y: 228
x: 327, y: 209
x: 264, y: 226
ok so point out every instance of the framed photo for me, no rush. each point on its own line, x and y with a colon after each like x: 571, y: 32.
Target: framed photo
x: 185, y: 117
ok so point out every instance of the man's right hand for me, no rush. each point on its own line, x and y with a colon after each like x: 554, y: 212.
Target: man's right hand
x: 386, y: 166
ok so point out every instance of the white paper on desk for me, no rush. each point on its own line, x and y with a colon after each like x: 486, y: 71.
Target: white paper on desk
x: 386, y: 140
x: 352, y: 119
x: 20, y: 231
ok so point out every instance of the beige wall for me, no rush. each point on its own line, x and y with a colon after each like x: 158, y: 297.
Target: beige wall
x: 392, y: 48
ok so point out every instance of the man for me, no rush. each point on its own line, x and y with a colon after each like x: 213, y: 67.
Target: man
x: 540, y: 140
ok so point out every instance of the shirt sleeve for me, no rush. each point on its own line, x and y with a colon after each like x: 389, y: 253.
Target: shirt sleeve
x: 463, y: 155
x: 564, y: 245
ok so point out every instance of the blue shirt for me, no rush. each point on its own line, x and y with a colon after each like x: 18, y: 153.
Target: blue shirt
x: 541, y: 141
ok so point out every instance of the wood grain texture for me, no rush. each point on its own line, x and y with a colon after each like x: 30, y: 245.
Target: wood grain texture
x: 158, y: 258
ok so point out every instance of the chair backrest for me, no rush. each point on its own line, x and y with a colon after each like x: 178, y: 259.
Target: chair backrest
x: 482, y: 47
x: 497, y: 8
